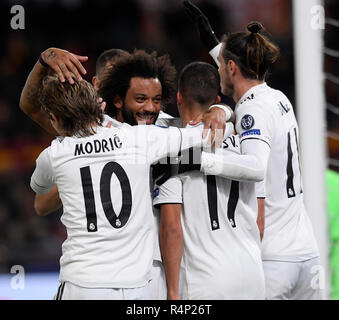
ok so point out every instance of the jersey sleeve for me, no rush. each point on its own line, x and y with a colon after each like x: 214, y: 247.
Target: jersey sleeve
x: 168, y: 192
x: 260, y: 190
x: 162, y: 142
x: 254, y: 129
x: 42, y: 180
x: 239, y: 167
x: 252, y: 123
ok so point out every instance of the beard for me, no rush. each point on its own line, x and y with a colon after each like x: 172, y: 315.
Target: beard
x: 132, y: 118
x: 227, y: 88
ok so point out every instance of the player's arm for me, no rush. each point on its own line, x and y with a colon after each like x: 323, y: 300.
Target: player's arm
x: 63, y: 63
x: 162, y: 142
x: 240, y: 167
x: 171, y: 246
x: 169, y: 198
x: 43, y: 184
x: 216, y: 119
x: 29, y: 102
x: 255, y: 132
x: 205, y: 31
x: 47, y: 203
x: 261, y: 216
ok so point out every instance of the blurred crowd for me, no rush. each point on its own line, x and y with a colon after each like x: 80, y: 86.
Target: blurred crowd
x: 88, y: 28
x: 331, y: 67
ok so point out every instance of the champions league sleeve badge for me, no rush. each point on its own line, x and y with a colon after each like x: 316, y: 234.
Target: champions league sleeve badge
x: 247, y: 122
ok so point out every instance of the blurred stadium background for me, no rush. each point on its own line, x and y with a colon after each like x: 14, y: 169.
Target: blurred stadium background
x: 89, y: 27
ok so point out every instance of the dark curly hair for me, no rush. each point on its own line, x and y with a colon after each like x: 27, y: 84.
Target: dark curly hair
x: 140, y: 64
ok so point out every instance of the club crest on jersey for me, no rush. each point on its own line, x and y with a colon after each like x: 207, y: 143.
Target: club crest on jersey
x: 155, y: 193
x: 247, y: 122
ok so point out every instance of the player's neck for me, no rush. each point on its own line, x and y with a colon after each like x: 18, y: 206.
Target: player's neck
x: 242, y: 86
x: 190, y: 112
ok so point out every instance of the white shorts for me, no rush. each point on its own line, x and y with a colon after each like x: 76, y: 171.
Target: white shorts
x: 293, y: 280
x: 158, y: 282
x: 70, y: 291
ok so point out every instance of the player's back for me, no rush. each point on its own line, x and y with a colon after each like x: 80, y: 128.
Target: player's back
x: 221, y: 256
x: 103, y: 181
x: 288, y: 231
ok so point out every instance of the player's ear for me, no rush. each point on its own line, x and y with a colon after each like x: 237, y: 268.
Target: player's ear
x: 95, y: 82
x: 118, y: 102
x: 231, y: 65
x: 218, y: 99
x: 52, y: 117
x: 179, y: 98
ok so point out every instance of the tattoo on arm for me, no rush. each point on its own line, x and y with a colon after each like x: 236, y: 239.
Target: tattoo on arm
x: 31, y: 94
x: 32, y: 89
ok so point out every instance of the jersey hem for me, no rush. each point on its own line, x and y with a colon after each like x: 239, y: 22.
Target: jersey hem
x: 167, y: 201
x: 113, y: 285
x: 290, y: 258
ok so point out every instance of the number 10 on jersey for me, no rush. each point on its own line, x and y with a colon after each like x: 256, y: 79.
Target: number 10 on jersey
x: 116, y: 221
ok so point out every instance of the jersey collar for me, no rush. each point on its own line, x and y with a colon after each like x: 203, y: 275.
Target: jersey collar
x: 250, y: 94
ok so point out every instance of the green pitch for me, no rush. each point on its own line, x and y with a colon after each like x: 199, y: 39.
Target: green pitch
x: 332, y: 179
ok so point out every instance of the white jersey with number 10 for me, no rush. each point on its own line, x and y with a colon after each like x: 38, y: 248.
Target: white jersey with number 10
x: 103, y: 182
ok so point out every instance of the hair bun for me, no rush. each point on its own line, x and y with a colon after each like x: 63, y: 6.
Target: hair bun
x: 254, y: 27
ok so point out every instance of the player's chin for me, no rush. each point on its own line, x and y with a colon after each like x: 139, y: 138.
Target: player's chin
x: 225, y: 91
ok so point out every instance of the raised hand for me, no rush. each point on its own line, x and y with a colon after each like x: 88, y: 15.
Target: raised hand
x: 64, y: 63
x: 207, y: 35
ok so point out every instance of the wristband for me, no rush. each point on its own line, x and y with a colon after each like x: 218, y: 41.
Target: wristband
x: 220, y: 106
x: 42, y: 61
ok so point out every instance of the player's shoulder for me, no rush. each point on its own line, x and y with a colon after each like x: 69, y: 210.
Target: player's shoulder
x: 164, y: 115
x: 171, y: 122
x: 45, y: 154
x: 111, y: 122
x: 56, y: 143
x: 166, y: 120
x: 262, y: 101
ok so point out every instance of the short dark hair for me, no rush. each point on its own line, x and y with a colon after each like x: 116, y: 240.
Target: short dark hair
x: 251, y: 50
x: 108, y: 56
x: 199, y: 82
x: 140, y: 64
x: 76, y: 105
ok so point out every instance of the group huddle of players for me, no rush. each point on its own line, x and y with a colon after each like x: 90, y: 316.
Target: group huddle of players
x: 157, y: 207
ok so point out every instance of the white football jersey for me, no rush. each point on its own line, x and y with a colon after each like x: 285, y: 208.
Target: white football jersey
x: 163, y: 115
x: 221, y: 256
x: 113, y: 122
x: 164, y: 120
x: 103, y: 183
x: 265, y: 114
